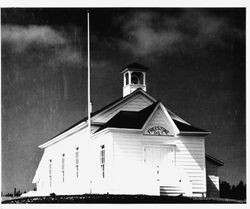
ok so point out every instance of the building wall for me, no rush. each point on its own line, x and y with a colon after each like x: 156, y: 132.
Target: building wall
x: 71, y: 184
x: 212, y: 180
x: 124, y: 171
x: 100, y: 184
x: 89, y: 178
x: 189, y: 155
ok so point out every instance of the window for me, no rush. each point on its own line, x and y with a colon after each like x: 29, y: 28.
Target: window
x: 77, y: 162
x: 63, y: 167
x: 50, y: 172
x: 102, y: 160
x: 136, y: 78
x: 126, y: 78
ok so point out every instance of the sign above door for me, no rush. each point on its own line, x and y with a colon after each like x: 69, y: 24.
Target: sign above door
x: 157, y: 130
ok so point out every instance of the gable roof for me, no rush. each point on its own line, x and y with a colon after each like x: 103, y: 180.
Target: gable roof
x: 134, y: 119
x: 183, y: 127
x: 137, y: 119
x: 129, y: 119
x: 121, y: 100
x: 105, y: 108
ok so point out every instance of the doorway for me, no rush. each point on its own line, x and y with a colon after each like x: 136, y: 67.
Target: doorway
x: 159, y: 158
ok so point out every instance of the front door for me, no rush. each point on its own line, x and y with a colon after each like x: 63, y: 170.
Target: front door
x: 159, y: 158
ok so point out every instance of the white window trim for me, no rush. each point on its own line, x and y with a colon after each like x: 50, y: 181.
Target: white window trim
x: 77, y: 162
x: 102, y: 161
x: 63, y: 168
x: 50, y: 172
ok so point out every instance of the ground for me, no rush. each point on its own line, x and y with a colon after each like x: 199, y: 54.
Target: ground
x: 107, y: 198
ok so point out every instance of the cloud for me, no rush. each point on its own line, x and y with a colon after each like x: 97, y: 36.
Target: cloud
x: 70, y: 56
x: 142, y: 38
x: 47, y: 44
x: 147, y: 32
x: 20, y: 37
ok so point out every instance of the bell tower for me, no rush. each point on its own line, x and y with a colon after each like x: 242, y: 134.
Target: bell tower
x: 134, y: 77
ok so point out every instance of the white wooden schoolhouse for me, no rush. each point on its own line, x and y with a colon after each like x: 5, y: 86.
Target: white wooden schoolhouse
x: 137, y: 146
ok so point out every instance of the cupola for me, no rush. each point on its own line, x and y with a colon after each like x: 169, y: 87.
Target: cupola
x: 134, y: 77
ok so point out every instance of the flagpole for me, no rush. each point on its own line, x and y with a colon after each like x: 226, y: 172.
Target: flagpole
x: 89, y: 101
x: 89, y: 107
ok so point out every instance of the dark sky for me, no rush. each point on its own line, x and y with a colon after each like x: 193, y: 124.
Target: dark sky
x: 197, y: 69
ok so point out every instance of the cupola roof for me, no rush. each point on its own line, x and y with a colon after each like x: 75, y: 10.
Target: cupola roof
x: 135, y: 66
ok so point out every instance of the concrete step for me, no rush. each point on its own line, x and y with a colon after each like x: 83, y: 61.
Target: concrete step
x: 171, y: 190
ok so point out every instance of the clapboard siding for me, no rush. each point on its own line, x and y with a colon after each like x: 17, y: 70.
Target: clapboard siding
x: 189, y: 158
x: 71, y: 184
x: 186, y: 156
x: 136, y: 103
x: 100, y: 184
x: 189, y: 153
x: 211, y: 169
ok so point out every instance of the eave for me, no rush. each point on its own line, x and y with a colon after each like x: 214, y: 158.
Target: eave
x: 214, y: 160
x: 64, y: 135
x: 83, y: 123
x: 187, y: 133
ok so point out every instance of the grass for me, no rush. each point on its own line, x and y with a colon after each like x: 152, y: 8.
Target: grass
x: 108, y: 198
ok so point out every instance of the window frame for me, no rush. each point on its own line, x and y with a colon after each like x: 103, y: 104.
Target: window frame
x: 126, y: 78
x: 50, y: 172
x: 63, y: 167
x: 139, y: 76
x: 102, y: 161
x: 77, y: 161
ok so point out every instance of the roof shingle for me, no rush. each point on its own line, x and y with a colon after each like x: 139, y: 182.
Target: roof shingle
x: 136, y: 66
x: 129, y: 119
x: 187, y: 128
x: 135, y: 120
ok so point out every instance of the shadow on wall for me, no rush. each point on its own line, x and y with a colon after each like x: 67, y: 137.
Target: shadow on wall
x: 212, y: 190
